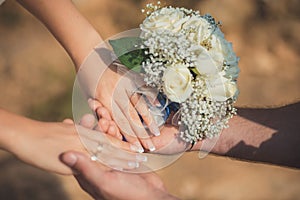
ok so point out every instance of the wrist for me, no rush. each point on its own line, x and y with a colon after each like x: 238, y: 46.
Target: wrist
x: 6, y: 138
x: 11, y: 128
x: 223, y: 143
x: 91, y: 70
x: 18, y: 136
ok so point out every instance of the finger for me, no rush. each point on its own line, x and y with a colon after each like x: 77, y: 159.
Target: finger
x: 88, y: 121
x: 112, y: 153
x: 121, y: 116
x: 116, y: 130
x: 86, y: 172
x: 102, y: 112
x: 94, y: 104
x: 112, y: 130
x: 118, y: 160
x: 88, y: 187
x: 141, y: 106
x: 127, y: 146
x: 118, y: 164
x: 125, y: 127
x: 92, y: 139
x: 139, y: 128
x: 106, y: 124
x: 109, y: 128
x: 103, y: 125
x: 68, y: 121
x: 83, y: 165
x: 111, y: 156
x: 137, y: 134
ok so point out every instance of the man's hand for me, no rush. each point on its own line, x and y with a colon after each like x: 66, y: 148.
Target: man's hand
x: 105, y: 183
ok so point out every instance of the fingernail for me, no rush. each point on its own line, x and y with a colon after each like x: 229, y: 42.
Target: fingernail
x: 118, y: 168
x: 70, y: 160
x: 154, y: 129
x: 136, y: 148
x: 151, y: 146
x: 142, y: 158
x: 133, y: 164
x: 140, y: 149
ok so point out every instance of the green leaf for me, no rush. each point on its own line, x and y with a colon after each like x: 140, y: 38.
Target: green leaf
x: 127, y: 52
x: 194, y: 71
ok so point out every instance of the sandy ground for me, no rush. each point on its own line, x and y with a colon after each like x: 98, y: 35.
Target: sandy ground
x: 36, y: 78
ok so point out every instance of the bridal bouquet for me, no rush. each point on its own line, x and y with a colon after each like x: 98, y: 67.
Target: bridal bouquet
x: 185, y: 56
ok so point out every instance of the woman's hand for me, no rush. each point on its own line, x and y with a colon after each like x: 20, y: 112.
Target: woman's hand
x: 79, y: 38
x: 115, y: 91
x: 40, y: 143
x: 107, y: 149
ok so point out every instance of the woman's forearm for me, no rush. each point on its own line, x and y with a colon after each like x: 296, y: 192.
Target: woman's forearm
x: 11, y: 126
x: 38, y: 143
x: 263, y: 135
x: 68, y: 26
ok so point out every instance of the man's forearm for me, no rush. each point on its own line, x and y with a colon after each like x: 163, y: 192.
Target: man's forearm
x: 263, y: 135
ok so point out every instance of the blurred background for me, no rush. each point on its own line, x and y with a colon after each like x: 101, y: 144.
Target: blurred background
x: 36, y: 79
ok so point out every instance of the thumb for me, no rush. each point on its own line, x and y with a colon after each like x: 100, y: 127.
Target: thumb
x: 82, y: 164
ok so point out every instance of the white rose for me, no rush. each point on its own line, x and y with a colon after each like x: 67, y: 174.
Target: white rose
x: 216, y: 52
x: 201, y: 29
x: 165, y: 18
x: 220, y: 88
x: 205, y: 64
x: 177, y: 83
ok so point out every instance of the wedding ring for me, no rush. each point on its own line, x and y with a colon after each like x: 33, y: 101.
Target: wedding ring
x: 100, y: 148
x: 97, y: 152
x: 94, y: 158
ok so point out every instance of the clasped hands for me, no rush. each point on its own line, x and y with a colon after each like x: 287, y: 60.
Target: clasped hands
x: 124, y: 117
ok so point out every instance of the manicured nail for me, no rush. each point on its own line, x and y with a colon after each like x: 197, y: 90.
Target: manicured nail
x: 142, y: 158
x: 152, y: 148
x: 154, y: 129
x: 136, y: 148
x: 139, y: 147
x: 133, y: 164
x: 150, y: 145
x: 118, y: 168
